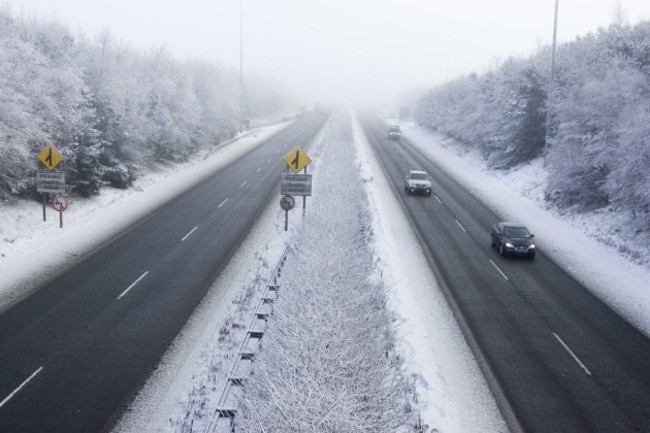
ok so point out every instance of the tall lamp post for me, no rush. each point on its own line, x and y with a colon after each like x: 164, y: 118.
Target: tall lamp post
x: 551, y: 77
x: 242, y: 110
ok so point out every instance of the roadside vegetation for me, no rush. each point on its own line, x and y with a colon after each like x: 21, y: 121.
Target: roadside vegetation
x: 112, y: 111
x: 596, y: 144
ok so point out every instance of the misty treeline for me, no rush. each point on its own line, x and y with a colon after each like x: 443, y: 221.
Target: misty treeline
x: 328, y: 361
x: 111, y: 110
x: 598, y: 148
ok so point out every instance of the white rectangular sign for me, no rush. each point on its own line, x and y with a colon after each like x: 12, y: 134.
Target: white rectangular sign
x: 52, y: 181
x: 295, y: 184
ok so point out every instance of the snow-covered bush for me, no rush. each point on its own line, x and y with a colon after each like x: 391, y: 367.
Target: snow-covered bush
x: 328, y: 361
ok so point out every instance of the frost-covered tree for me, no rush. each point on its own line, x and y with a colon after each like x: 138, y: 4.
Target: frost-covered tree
x: 598, y: 135
x: 112, y: 111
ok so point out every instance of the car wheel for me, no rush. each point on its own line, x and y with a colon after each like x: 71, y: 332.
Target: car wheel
x: 502, y: 250
x: 492, y: 240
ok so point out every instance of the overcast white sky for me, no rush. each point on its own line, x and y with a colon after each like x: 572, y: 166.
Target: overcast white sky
x: 357, y: 49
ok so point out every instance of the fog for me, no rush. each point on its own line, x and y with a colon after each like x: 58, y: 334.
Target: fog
x: 375, y: 51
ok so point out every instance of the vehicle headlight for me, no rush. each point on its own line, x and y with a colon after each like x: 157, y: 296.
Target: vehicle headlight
x: 531, y: 246
x: 509, y: 245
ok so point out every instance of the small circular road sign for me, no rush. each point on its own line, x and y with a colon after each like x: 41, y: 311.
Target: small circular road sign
x: 287, y: 202
x: 59, y: 203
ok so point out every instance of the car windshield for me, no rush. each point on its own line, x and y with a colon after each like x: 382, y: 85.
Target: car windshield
x: 394, y: 129
x: 419, y: 176
x: 516, y: 232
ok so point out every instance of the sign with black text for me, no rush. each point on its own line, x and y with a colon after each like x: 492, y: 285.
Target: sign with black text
x: 295, y: 184
x: 50, y: 181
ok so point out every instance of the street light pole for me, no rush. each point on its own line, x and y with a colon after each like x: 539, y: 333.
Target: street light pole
x: 551, y: 77
x: 241, y: 65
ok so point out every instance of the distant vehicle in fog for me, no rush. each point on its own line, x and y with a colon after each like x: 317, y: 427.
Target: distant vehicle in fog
x: 394, y: 132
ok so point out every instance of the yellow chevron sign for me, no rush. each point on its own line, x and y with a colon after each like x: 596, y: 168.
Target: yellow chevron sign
x: 297, y: 160
x: 50, y: 157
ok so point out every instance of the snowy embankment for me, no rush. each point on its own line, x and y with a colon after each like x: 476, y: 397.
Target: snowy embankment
x: 603, y: 267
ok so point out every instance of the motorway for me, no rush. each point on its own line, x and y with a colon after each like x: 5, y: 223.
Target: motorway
x: 556, y: 358
x: 74, y: 354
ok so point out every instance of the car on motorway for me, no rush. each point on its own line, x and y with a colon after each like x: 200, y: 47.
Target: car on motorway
x: 513, y: 239
x: 417, y: 182
x: 394, y: 132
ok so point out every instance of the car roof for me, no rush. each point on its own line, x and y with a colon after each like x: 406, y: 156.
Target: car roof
x: 413, y: 170
x: 511, y: 224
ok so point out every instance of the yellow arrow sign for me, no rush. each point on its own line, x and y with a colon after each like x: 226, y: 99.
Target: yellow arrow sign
x: 297, y: 160
x: 50, y: 157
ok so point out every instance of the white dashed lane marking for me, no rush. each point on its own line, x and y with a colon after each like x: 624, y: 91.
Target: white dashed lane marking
x: 188, y: 235
x: 497, y: 268
x: 132, y: 285
x: 586, y: 370
x: 15, y: 391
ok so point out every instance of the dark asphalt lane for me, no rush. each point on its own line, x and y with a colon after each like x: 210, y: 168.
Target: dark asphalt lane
x: 73, y: 354
x: 557, y: 358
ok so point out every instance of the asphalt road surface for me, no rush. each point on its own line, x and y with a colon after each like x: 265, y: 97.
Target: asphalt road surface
x: 556, y: 357
x: 73, y: 355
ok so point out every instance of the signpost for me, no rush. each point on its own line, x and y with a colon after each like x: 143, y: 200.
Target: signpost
x: 49, y: 181
x: 50, y: 157
x: 287, y: 203
x: 295, y: 184
x: 60, y: 204
x: 297, y: 160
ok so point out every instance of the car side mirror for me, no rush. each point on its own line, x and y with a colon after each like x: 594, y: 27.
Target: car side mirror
x: 532, y: 236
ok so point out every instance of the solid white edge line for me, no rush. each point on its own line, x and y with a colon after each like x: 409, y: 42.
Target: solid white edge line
x: 436, y: 197
x: 3, y: 402
x: 568, y: 349
x: 461, y: 226
x: 133, y: 285
x: 188, y: 235
x: 223, y: 202
x: 500, y: 271
x: 243, y: 183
